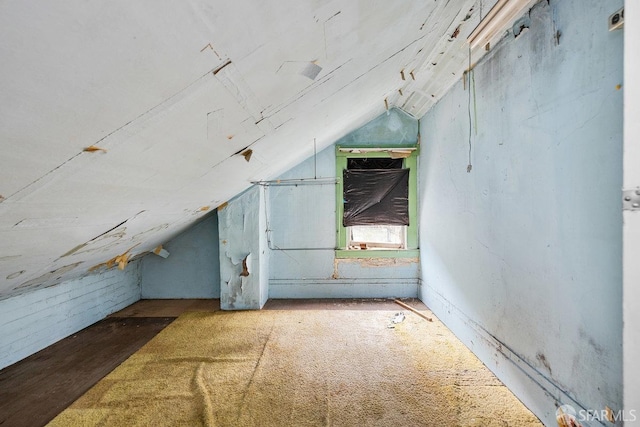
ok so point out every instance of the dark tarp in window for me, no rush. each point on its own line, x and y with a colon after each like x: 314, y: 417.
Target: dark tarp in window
x: 376, y: 197
x: 373, y: 163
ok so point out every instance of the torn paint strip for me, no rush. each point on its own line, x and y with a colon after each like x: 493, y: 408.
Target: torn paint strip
x: 93, y: 149
x: 247, y: 154
x: 245, y: 266
x: 222, y: 67
x: 161, y: 252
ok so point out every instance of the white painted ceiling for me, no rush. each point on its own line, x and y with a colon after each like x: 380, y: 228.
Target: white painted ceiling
x: 172, y: 92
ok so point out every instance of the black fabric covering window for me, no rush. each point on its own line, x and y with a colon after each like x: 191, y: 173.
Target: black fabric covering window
x: 373, y: 163
x: 376, y: 197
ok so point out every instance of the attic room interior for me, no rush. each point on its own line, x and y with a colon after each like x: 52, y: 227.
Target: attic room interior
x: 320, y: 213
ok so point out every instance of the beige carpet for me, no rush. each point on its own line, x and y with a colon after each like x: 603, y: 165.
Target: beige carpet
x: 300, y: 368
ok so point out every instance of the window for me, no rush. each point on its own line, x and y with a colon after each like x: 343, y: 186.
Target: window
x: 376, y: 202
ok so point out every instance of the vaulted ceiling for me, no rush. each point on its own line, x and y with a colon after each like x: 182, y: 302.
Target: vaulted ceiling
x: 123, y: 122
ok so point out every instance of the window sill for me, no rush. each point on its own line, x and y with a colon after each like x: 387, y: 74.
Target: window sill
x: 378, y: 253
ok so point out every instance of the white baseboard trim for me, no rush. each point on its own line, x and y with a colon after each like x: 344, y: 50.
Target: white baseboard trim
x: 343, y: 288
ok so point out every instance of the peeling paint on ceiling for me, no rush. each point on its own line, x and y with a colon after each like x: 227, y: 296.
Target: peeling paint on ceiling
x: 120, y: 120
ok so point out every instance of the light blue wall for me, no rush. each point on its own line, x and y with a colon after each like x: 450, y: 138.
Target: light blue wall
x: 521, y: 258
x: 242, y: 240
x: 301, y: 220
x: 192, y: 269
x: 35, y: 320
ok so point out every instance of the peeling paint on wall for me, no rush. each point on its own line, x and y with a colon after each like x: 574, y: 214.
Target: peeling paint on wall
x: 243, y: 258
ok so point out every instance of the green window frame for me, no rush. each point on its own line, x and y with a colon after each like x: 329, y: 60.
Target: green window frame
x: 386, y: 151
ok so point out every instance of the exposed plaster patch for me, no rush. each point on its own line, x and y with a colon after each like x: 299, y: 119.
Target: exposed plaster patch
x: 121, y: 260
x: 245, y: 267
x: 2, y: 199
x: 93, y: 149
x: 371, y: 262
x: 247, y: 154
x: 456, y: 32
x: 336, y: 274
x: 204, y: 208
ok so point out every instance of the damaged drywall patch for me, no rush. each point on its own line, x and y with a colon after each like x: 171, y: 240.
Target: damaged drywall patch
x: 379, y: 262
x: 237, y: 272
x: 371, y: 263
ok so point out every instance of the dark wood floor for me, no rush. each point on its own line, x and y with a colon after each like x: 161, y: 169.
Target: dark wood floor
x: 36, y: 389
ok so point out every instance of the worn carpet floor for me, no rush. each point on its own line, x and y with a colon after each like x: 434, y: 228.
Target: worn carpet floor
x: 300, y: 368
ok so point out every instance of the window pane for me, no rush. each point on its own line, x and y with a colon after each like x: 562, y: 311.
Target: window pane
x: 382, y: 236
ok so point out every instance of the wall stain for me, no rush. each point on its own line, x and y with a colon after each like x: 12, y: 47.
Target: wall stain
x: 543, y: 359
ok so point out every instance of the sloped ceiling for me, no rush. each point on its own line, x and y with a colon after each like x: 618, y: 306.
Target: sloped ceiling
x: 169, y: 95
